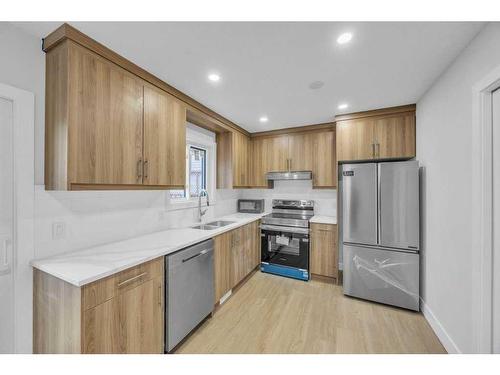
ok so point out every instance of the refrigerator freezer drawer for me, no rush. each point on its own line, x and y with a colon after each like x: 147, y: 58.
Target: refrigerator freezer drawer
x: 384, y: 276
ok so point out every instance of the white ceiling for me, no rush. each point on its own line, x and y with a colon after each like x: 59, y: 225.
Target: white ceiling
x: 266, y: 68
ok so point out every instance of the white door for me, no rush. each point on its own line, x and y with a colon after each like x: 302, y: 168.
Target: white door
x: 6, y: 228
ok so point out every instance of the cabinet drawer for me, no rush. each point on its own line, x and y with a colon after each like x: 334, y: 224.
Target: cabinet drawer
x: 323, y: 227
x: 102, y: 290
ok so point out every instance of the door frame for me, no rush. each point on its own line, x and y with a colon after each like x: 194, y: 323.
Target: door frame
x: 23, y: 143
x: 482, y: 210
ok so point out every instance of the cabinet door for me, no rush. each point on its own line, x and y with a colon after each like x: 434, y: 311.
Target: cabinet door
x: 268, y: 154
x: 164, y: 139
x: 276, y: 153
x: 141, y: 318
x: 240, y: 160
x: 237, y: 255
x: 395, y: 137
x: 257, y: 170
x: 324, y: 160
x: 300, y: 152
x: 105, y: 117
x: 255, y: 233
x: 324, y: 250
x: 222, y: 265
x: 355, y: 139
x: 131, y: 322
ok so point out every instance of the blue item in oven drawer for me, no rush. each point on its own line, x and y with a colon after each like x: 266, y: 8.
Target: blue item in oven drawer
x: 294, y: 273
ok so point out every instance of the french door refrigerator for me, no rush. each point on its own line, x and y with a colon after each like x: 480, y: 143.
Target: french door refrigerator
x: 380, y: 232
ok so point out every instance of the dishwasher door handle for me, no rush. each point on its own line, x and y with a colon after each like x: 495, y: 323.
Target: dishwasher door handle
x: 195, y: 256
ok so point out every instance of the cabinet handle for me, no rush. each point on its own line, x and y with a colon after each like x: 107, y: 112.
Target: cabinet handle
x: 373, y: 150
x: 159, y: 295
x: 378, y: 149
x: 146, y: 168
x: 139, y: 169
x: 131, y: 279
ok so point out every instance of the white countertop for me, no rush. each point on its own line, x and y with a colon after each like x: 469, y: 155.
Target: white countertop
x: 85, y: 266
x: 320, y: 219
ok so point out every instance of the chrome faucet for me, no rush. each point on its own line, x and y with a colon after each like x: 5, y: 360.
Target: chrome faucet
x: 200, y: 211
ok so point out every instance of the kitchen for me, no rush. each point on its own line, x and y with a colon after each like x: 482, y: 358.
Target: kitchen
x: 170, y: 217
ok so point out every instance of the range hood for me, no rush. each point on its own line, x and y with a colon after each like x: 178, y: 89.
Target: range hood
x: 289, y: 175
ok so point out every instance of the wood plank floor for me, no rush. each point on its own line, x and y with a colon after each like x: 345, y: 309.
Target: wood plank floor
x: 271, y: 314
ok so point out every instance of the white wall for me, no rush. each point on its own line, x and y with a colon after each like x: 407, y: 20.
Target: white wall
x: 444, y: 148
x: 22, y: 65
x: 325, y: 199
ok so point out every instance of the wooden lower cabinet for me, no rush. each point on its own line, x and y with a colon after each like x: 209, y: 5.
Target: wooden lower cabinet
x: 237, y: 253
x: 324, y: 259
x: 123, y: 313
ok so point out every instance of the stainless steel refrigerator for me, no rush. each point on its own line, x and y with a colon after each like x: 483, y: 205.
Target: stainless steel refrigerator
x: 380, y: 232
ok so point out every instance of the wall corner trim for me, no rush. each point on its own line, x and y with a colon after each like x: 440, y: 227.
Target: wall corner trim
x: 439, y: 330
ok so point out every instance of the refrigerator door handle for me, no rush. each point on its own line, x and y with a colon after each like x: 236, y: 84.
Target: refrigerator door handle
x: 379, y: 206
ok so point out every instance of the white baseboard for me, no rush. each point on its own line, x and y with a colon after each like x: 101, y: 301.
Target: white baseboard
x: 439, y: 330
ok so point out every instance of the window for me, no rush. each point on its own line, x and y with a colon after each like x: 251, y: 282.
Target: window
x: 196, y: 174
x: 199, y: 165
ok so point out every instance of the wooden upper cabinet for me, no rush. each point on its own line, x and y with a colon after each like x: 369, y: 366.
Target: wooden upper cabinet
x: 268, y: 154
x: 380, y: 134
x: 105, y: 105
x: 324, y: 165
x: 233, y: 160
x: 164, y: 139
x: 305, y: 151
x: 355, y: 139
x: 395, y: 136
x: 241, y: 160
x: 106, y: 128
x: 300, y: 152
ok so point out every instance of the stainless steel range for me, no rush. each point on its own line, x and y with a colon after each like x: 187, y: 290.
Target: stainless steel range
x: 285, y: 239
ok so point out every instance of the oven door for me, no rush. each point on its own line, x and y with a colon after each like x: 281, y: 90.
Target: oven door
x: 285, y: 247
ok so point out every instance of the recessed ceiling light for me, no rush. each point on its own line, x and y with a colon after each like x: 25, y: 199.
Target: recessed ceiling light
x: 264, y: 119
x: 344, y: 38
x: 343, y: 106
x: 214, y: 77
x: 316, y: 85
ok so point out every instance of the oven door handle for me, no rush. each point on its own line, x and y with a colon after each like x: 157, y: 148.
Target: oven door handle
x: 279, y: 228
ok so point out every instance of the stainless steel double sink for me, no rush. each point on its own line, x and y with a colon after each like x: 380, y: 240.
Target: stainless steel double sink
x: 213, y: 225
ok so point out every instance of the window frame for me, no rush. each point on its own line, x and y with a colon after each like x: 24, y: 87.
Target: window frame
x: 202, y: 141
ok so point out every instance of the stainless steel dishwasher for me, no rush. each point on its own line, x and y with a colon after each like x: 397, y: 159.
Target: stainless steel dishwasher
x: 189, y: 291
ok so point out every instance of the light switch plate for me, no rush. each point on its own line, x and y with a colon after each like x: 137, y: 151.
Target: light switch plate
x: 58, y: 230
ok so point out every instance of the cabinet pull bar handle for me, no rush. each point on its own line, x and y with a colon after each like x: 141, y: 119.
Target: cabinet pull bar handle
x: 146, y: 168
x: 132, y: 279
x: 378, y: 149
x: 139, y: 169
x: 159, y: 295
x: 373, y: 149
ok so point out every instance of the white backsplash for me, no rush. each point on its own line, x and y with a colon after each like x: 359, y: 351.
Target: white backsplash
x: 91, y: 218
x: 325, y: 200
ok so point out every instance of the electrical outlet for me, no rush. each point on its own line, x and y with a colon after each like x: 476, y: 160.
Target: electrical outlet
x: 58, y: 230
